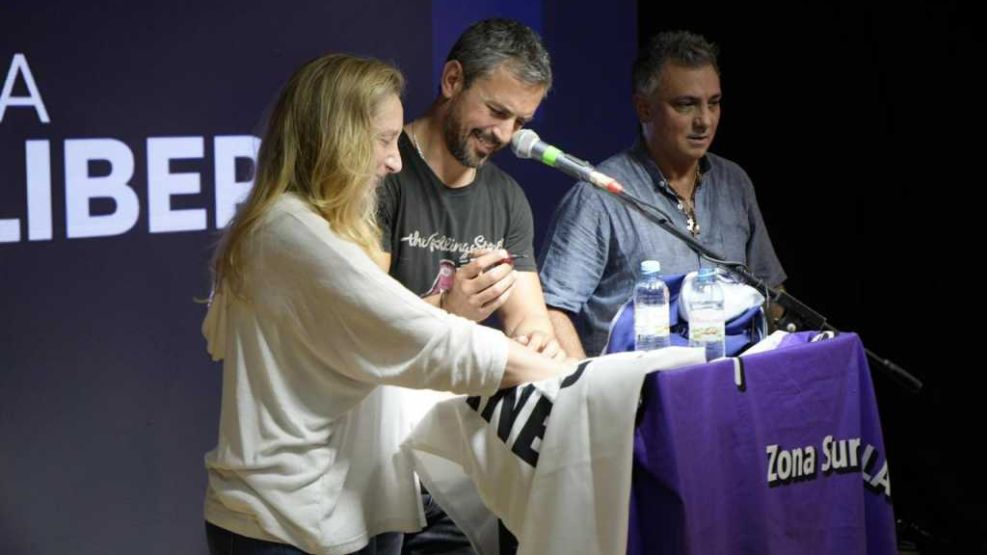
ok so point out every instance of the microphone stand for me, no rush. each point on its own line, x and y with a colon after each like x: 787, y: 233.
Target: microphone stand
x: 797, y: 315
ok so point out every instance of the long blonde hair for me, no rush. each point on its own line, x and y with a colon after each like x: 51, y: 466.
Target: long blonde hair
x: 318, y: 145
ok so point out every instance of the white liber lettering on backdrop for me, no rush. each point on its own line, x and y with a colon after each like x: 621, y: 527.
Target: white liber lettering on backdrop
x: 128, y: 132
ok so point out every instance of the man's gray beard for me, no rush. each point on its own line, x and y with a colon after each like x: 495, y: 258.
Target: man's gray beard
x: 458, y: 145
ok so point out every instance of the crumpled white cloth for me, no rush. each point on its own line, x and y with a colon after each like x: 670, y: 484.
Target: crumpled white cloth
x: 576, y: 498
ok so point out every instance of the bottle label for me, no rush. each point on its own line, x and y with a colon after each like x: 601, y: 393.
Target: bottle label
x: 706, y: 326
x: 651, y: 320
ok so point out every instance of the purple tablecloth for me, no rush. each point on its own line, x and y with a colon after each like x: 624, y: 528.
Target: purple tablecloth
x: 779, y: 452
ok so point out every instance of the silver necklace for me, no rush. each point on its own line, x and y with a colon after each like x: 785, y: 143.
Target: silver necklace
x: 414, y: 139
x: 687, y: 207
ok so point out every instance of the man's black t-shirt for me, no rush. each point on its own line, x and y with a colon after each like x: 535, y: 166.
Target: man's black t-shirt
x: 428, y: 228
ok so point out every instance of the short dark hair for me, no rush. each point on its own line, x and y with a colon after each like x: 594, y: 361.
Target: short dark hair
x: 487, y: 44
x: 678, y: 47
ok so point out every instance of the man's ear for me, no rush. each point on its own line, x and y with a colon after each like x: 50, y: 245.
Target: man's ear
x: 452, y: 82
x: 642, y: 107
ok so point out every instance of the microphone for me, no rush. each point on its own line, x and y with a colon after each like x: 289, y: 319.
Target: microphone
x: 527, y: 144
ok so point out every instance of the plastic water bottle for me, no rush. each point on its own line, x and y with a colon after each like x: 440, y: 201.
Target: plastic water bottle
x: 705, y: 304
x: 650, y: 309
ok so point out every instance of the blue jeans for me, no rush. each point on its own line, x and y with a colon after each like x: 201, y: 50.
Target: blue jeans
x: 223, y: 542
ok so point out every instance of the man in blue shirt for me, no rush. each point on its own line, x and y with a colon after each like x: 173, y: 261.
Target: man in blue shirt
x: 595, y: 243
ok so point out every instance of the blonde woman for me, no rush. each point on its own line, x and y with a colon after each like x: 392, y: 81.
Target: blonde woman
x: 309, y: 328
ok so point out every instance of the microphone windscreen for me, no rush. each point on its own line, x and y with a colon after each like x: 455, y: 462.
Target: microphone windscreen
x: 522, y: 142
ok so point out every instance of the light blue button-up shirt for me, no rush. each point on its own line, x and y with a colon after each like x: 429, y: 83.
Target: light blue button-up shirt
x: 595, y: 244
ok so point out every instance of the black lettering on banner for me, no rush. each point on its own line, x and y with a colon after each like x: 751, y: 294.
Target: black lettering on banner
x: 512, y: 403
x: 493, y: 400
x: 509, y: 409
x: 533, y: 429
x: 574, y: 377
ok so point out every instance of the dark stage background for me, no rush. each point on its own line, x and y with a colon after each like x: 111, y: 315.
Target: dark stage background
x: 860, y: 124
x: 856, y: 123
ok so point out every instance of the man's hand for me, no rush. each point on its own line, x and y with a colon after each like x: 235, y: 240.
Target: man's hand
x: 480, y: 287
x: 541, y: 342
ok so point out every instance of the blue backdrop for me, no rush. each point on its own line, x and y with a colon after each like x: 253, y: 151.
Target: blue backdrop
x: 126, y: 131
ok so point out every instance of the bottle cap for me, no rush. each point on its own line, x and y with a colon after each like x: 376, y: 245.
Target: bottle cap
x: 650, y: 266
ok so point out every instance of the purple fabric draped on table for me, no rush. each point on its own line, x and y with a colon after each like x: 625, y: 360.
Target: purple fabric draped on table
x: 779, y: 452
